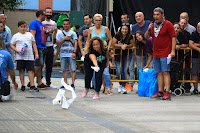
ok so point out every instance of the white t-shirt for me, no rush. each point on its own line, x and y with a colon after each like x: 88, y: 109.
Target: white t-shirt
x: 67, y: 48
x: 49, y: 26
x: 19, y: 39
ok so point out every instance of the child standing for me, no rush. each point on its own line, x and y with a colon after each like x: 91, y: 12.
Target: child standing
x: 25, y: 61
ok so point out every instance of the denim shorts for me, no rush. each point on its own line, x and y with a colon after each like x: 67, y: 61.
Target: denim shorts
x: 72, y: 63
x: 195, y: 66
x: 160, y: 65
x: 40, y: 60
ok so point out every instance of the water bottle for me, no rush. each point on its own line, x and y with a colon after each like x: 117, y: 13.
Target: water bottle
x: 24, y: 48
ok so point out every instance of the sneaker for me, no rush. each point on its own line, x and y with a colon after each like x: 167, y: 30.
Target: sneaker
x: 72, y: 85
x: 42, y: 86
x: 85, y: 92
x: 124, y: 91
x: 96, y: 96
x: 28, y: 85
x: 195, y: 91
x: 62, y: 87
x: 166, y: 96
x: 158, y: 94
x: 128, y: 87
x: 52, y: 86
x: 23, y: 88
x: 120, y: 89
x: 33, y: 88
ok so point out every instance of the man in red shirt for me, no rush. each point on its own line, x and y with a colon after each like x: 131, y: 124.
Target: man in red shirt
x: 164, y: 42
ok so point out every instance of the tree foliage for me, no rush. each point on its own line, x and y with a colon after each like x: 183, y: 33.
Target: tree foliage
x: 10, y: 4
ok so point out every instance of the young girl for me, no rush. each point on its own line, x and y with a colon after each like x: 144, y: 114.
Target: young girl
x: 96, y: 57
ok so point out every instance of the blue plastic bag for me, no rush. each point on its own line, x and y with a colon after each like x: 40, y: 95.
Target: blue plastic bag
x: 147, y: 85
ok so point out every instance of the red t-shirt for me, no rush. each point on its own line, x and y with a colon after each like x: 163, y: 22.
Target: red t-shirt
x: 162, y: 44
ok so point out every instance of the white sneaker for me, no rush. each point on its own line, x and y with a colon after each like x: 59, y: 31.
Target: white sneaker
x: 120, y: 89
x: 124, y: 91
x: 52, y: 86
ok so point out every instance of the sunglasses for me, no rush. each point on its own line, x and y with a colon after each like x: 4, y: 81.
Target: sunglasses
x: 98, y: 20
x: 125, y: 24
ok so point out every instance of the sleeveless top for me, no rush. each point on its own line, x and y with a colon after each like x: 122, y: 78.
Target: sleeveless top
x: 102, y: 35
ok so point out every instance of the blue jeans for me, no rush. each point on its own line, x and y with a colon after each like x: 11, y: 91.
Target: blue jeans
x: 123, y: 70
x: 160, y: 65
x: 131, y: 67
x: 40, y: 60
x: 72, y: 63
x: 106, y: 76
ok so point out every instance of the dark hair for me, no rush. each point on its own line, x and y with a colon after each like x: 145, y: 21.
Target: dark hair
x: 125, y: 14
x: 39, y: 12
x: 3, y: 25
x: 177, y: 23
x: 2, y: 41
x: 158, y: 9
x: 66, y: 19
x: 47, y: 8
x: 21, y: 23
x: 128, y: 36
x: 88, y: 15
x: 141, y: 33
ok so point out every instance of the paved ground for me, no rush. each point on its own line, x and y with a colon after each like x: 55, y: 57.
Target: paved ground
x: 118, y: 113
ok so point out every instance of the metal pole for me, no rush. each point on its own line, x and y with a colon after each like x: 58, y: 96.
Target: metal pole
x: 107, y: 12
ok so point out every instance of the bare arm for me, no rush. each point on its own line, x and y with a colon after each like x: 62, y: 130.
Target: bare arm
x: 150, y: 57
x: 66, y: 38
x: 35, y: 50
x: 33, y: 32
x: 108, y: 35
x: 93, y: 59
x: 75, y: 49
x: 80, y: 44
x: 89, y: 35
x: 147, y: 33
x: 173, y: 47
x: 193, y: 46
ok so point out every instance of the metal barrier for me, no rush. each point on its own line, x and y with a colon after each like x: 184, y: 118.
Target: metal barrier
x: 113, y: 66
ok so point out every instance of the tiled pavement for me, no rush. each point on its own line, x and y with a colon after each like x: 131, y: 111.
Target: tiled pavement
x: 119, y: 113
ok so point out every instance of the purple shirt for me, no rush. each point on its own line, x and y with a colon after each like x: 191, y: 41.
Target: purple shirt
x: 149, y: 46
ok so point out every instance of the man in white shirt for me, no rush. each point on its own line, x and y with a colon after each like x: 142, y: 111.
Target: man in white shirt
x: 50, y: 27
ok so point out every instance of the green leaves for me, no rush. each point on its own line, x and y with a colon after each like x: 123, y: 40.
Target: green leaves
x: 11, y: 4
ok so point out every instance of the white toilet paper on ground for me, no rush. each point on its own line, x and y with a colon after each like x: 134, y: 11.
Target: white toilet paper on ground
x: 60, y: 97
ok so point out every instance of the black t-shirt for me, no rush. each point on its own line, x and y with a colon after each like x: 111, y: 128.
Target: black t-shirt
x: 122, y: 42
x: 196, y: 38
x: 101, y: 58
x: 181, y: 39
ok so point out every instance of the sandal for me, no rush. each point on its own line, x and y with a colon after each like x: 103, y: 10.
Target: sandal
x: 109, y: 92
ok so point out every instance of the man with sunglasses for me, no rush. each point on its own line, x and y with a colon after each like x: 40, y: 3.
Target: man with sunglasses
x: 37, y: 29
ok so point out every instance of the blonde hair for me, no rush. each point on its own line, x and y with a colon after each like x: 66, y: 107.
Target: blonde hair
x: 89, y: 47
x: 98, y: 15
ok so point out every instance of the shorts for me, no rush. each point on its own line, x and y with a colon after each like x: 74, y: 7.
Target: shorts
x: 160, y: 65
x: 195, y: 66
x: 72, y: 63
x: 42, y: 56
x: 25, y: 64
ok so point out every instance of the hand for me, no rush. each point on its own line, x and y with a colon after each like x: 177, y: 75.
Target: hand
x: 151, y: 65
x: 172, y: 54
x: 19, y: 52
x: 36, y: 56
x: 177, y: 47
x: 67, y: 38
x: 150, y: 27
x: 73, y: 56
x: 124, y: 46
x: 145, y: 67
x: 16, y: 85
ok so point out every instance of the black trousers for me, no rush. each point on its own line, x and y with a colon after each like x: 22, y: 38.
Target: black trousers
x: 89, y: 73
x: 49, y: 64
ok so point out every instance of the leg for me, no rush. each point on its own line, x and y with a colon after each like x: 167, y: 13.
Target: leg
x: 167, y: 80
x: 38, y: 74
x: 49, y: 64
x: 160, y: 82
x: 72, y: 63
x: 31, y: 77
x: 38, y: 67
x: 64, y: 63
x: 131, y: 67
x: 65, y: 76
x: 21, y: 75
